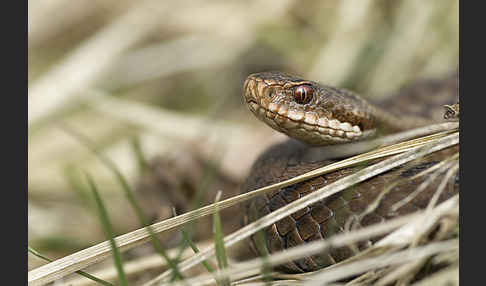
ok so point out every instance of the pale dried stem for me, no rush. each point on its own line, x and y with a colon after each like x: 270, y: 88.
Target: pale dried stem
x: 421, y: 132
x: 382, y: 261
x: 409, y: 233
x: 440, y: 167
x: 401, y: 272
x: 319, y: 195
x: 304, y: 250
x: 449, y: 277
x: 441, y: 187
x: 426, y: 228
x: 133, y: 267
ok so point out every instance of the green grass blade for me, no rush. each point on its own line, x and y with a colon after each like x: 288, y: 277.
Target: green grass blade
x: 128, y: 194
x: 188, y: 241
x: 73, y: 179
x: 139, y: 156
x: 196, y: 250
x: 208, y: 178
x: 219, y: 243
x: 262, y: 249
x: 108, y: 231
x: 82, y: 273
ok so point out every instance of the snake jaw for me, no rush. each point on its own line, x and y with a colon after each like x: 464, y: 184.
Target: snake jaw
x: 270, y: 100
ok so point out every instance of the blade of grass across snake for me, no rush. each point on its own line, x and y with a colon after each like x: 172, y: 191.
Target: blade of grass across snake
x: 387, y: 142
x: 400, y: 257
x: 373, y: 205
x: 442, y: 186
x: 321, y: 194
x: 439, y: 169
x: 321, y: 245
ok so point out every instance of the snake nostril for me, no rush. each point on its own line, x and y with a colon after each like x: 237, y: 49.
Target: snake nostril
x: 268, y: 93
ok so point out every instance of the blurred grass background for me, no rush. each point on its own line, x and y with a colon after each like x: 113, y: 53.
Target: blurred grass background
x: 170, y: 73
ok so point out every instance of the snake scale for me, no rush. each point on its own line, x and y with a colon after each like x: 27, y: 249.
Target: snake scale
x: 316, y: 115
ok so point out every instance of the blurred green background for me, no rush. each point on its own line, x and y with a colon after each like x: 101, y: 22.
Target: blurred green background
x: 168, y: 74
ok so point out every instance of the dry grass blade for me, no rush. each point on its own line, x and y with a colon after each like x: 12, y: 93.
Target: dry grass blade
x: 406, y: 235
x: 319, y: 246
x: 448, y: 277
x: 411, y: 231
x: 134, y: 267
x: 439, y: 167
x: 402, y: 272
x: 442, y: 185
x: 91, y: 255
x: 381, y: 261
x: 82, y: 273
x: 304, y: 250
x: 321, y: 194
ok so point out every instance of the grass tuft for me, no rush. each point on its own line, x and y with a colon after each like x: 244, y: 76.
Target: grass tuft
x: 117, y: 258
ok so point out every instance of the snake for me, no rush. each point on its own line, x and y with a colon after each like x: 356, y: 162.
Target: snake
x: 315, y: 116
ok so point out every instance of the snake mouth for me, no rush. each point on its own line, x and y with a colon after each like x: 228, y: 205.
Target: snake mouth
x: 307, y: 126
x: 270, y: 101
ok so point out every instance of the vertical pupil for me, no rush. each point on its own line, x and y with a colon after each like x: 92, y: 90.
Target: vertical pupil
x: 303, y: 94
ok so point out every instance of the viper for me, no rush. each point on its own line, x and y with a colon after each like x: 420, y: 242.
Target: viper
x: 316, y: 116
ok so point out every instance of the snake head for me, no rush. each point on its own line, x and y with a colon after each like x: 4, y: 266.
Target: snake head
x: 308, y: 111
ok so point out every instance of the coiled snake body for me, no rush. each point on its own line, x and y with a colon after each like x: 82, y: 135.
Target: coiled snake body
x: 320, y: 115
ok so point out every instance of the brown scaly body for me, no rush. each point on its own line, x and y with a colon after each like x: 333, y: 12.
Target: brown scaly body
x: 342, y: 117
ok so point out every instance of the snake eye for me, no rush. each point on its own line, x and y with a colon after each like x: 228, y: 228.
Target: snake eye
x: 303, y: 94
